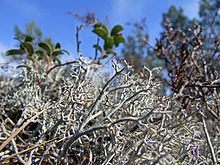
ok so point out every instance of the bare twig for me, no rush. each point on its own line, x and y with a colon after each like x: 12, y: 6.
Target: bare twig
x: 209, y: 141
x: 106, y: 126
x: 25, y: 124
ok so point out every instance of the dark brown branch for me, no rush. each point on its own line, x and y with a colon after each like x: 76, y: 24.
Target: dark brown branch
x: 67, y: 63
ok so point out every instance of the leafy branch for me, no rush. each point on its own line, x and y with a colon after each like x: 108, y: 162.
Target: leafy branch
x: 45, y: 52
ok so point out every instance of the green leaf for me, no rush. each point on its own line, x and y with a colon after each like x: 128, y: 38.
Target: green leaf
x: 100, y: 32
x: 56, y: 59
x: 96, y: 26
x: 28, y: 38
x: 118, y: 40
x: 46, y: 47
x: 109, y: 42
x: 31, y: 58
x: 24, y: 66
x: 58, y: 46
x: 20, y: 40
x: 105, y: 28
x: 110, y: 51
x: 39, y: 52
x: 105, y: 56
x: 57, y: 52
x: 41, y: 57
x: 97, y: 47
x: 29, y: 47
x: 66, y: 51
x: 116, y: 29
x: 15, y: 52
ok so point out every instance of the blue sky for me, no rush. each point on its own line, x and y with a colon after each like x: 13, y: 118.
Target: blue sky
x: 51, y: 16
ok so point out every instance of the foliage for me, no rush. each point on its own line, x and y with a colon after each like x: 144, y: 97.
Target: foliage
x: 33, y: 31
x: 193, y: 71
x: 136, y: 52
x: 177, y: 19
x: 209, y: 14
x: 44, y: 54
x: 110, y: 40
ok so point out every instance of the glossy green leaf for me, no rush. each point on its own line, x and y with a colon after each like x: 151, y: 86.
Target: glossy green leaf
x: 56, y: 59
x: 118, y: 40
x: 58, y: 46
x: 31, y: 58
x: 20, y: 40
x: 96, y: 26
x: 65, y: 51
x: 116, y: 29
x: 57, y: 52
x: 15, y: 52
x: 41, y: 57
x: 46, y: 47
x: 105, y: 28
x: 97, y: 47
x: 38, y: 52
x: 28, y: 38
x: 29, y: 47
x: 24, y: 66
x: 100, y: 32
x: 110, y: 51
x: 109, y: 42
